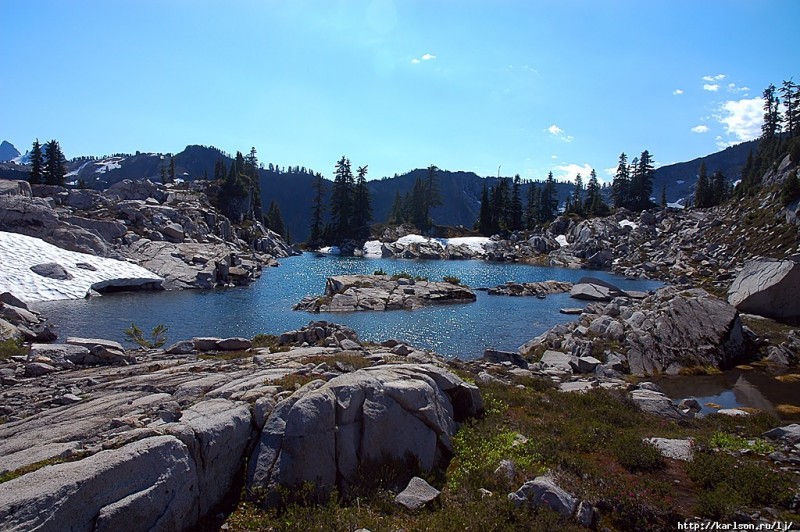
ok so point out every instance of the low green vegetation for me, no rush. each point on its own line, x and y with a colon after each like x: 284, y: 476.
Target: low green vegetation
x: 452, y: 279
x: 406, y: 275
x: 158, y: 336
x: 725, y: 441
x: 12, y: 347
x: 352, y: 361
x: 591, y: 442
x: 271, y: 341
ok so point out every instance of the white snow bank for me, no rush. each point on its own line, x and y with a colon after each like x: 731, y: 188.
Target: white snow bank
x: 330, y: 250
x: 628, y: 223
x: 475, y: 243
x: 372, y: 248
x: 676, y: 205
x: 562, y: 240
x: 408, y: 239
x: 19, y: 252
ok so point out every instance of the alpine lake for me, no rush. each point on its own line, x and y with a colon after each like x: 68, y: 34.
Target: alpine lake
x: 452, y: 330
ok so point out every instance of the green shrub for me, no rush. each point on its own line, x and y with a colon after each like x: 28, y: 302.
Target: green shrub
x: 731, y: 442
x: 635, y: 455
x: 158, y: 336
x: 379, y: 272
x: 12, y: 347
x: 452, y: 279
x: 401, y: 275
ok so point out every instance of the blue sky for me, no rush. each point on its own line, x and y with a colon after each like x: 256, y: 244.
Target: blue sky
x: 530, y: 86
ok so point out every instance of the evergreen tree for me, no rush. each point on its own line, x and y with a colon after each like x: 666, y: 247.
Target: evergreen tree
x: 501, y: 203
x: 418, y: 215
x: 172, y: 169
x: 315, y: 238
x: 621, y: 184
x: 702, y: 191
x: 485, y: 213
x: 791, y: 94
x: 533, y: 208
x: 342, y: 199
x: 549, y: 201
x: 516, y: 205
x: 594, y: 204
x: 719, y: 188
x: 219, y: 170
x: 37, y: 164
x: 576, y: 202
x: 433, y: 197
x: 790, y: 190
x: 362, y: 206
x: 396, y: 213
x: 55, y: 166
x: 772, y: 119
x: 164, y: 177
x: 663, y: 196
x: 274, y: 219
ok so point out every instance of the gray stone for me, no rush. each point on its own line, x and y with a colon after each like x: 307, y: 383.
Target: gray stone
x: 767, y: 288
x: 52, y: 271
x: 656, y: 403
x: 790, y: 433
x: 181, y: 348
x: 234, y: 344
x: 673, y: 448
x: 172, y: 232
x: 350, y: 345
x: 90, y: 343
x: 417, y: 494
x: 732, y: 412
x: 498, y: 357
x: 587, y: 364
x: 585, y: 515
x: 560, y: 361
x: 37, y: 369
x: 205, y: 343
x: 543, y: 491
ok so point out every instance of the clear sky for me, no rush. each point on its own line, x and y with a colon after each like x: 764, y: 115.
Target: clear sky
x: 561, y: 85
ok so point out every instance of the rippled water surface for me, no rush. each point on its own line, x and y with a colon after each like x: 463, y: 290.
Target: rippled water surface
x: 462, y: 330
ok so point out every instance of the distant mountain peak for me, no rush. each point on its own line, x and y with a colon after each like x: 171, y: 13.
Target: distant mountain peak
x: 8, y: 151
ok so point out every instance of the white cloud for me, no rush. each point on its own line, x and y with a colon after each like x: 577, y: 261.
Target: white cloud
x: 428, y: 57
x: 569, y: 171
x: 677, y: 92
x: 557, y: 132
x: 611, y: 172
x: 554, y: 157
x: 700, y: 129
x: 733, y: 88
x: 711, y: 87
x: 711, y: 79
x: 742, y: 118
x: 414, y: 61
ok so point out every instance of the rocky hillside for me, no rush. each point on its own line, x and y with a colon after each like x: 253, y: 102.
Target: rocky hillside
x: 173, y: 232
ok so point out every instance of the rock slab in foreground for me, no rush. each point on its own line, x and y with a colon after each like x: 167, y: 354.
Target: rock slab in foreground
x: 347, y: 293
x: 326, y: 432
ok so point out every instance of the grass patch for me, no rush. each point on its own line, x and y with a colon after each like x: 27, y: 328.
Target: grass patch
x: 30, y: 468
x: 791, y: 377
x: 225, y: 355
x: 270, y: 341
x: 725, y: 441
x: 293, y: 381
x: 12, y: 347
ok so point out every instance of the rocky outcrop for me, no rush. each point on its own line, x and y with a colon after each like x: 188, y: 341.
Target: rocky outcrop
x: 164, y: 440
x: 346, y: 293
x: 326, y: 433
x: 539, y: 289
x: 592, y: 289
x: 663, y: 333
x: 769, y: 288
x: 18, y: 322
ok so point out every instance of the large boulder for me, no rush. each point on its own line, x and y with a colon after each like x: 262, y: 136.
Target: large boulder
x: 769, y: 288
x: 592, y: 289
x: 327, y: 433
x: 682, y: 329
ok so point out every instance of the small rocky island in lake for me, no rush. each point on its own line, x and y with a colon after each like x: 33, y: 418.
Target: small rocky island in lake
x: 347, y: 293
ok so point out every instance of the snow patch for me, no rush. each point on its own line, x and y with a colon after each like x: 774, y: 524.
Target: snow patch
x: 562, y: 240
x: 628, y: 223
x: 676, y: 205
x: 20, y: 252
x: 372, y: 248
x: 330, y: 250
x: 680, y: 181
x: 107, y: 165
x: 475, y: 243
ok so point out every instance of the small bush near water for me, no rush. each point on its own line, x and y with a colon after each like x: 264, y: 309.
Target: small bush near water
x: 12, y: 347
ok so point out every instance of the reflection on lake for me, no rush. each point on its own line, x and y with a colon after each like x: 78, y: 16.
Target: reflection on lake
x: 462, y: 330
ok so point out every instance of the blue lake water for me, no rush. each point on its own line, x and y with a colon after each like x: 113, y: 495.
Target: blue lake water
x: 460, y: 330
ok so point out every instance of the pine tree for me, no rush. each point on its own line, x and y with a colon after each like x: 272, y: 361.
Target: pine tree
x: 485, y: 213
x: 274, y: 219
x: 500, y: 206
x: 702, y: 191
x: 516, y: 205
x: 621, y: 184
x: 172, y: 169
x: 772, y: 119
x: 396, y: 213
x: 55, y: 167
x: 549, y: 201
x: 342, y: 199
x: 789, y: 93
x: 533, y: 208
x: 663, y: 196
x: 362, y: 206
x: 719, y: 190
x: 315, y: 238
x: 164, y: 176
x: 417, y: 205
x: 594, y: 204
x: 790, y: 190
x: 576, y: 201
x: 37, y: 164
